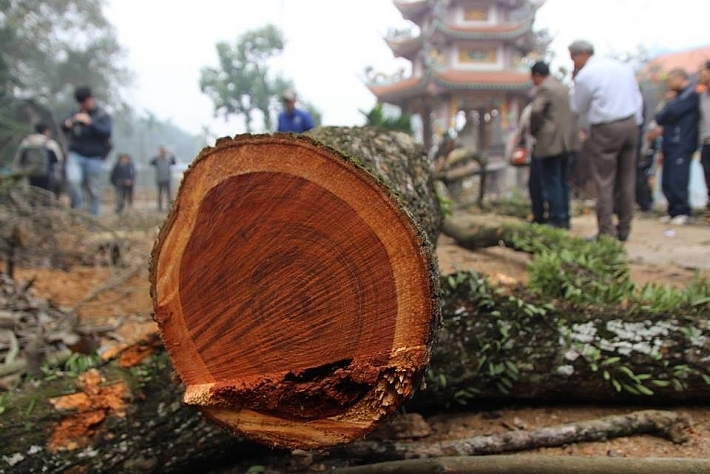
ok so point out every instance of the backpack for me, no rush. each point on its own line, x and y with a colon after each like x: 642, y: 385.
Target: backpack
x: 35, y: 161
x: 107, y: 145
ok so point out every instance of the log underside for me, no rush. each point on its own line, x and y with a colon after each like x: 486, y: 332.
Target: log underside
x: 304, y: 316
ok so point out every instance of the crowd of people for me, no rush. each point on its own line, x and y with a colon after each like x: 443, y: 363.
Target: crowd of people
x: 603, y: 111
x: 88, y: 131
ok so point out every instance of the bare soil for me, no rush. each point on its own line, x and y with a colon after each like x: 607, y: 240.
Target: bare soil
x: 657, y: 254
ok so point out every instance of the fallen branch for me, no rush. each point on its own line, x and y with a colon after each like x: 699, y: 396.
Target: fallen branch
x: 666, y: 424
x: 110, y: 284
x: 535, y: 465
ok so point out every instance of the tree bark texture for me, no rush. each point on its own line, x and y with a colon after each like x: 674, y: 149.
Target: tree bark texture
x: 132, y: 422
x: 294, y: 282
x: 537, y: 464
x: 152, y: 431
x: 498, y: 344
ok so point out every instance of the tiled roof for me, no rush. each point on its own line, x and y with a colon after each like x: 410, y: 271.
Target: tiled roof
x: 484, y: 79
x: 407, y: 46
x: 689, y: 60
x: 410, y: 9
x: 452, y: 80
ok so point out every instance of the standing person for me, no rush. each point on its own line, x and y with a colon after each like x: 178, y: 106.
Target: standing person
x: 704, y: 80
x: 553, y: 126
x: 292, y: 119
x: 123, y: 177
x: 89, y: 133
x: 607, y: 97
x: 680, y: 118
x: 39, y: 156
x: 535, y: 186
x: 163, y: 176
x: 646, y: 169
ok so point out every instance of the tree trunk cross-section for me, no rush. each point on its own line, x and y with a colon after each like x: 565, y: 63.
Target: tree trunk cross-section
x: 295, y: 290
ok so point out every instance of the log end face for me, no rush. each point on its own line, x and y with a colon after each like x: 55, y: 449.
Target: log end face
x: 291, y: 288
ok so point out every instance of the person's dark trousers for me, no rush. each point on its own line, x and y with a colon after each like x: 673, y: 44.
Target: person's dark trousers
x: 164, y: 188
x: 123, y: 197
x: 644, y: 162
x: 537, y: 194
x: 554, y: 180
x: 675, y: 179
x: 644, y: 193
x: 705, y: 161
x: 612, y: 148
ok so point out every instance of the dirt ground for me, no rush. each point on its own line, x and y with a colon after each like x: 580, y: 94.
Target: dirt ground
x: 657, y: 253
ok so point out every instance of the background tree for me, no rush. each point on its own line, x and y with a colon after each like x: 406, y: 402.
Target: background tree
x: 243, y: 84
x: 47, y: 49
x: 378, y: 117
x: 52, y: 46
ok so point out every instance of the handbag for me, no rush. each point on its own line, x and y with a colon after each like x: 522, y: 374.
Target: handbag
x: 520, y: 156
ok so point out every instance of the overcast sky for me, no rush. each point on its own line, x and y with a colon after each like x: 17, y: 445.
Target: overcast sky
x: 330, y: 42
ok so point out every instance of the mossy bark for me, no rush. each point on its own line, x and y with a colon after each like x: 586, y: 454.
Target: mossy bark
x: 544, y: 358
x: 512, y: 345
x: 399, y: 161
x: 157, y: 433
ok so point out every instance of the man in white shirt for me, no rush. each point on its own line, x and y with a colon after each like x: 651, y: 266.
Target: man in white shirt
x: 607, y: 96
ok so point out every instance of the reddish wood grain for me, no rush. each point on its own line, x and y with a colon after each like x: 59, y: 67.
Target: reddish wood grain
x: 292, y: 292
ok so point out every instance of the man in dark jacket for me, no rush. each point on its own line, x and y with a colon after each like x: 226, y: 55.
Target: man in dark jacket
x: 553, y: 126
x: 123, y: 177
x: 88, y: 130
x: 679, y: 117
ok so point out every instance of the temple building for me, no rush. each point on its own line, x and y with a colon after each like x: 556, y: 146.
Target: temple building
x: 468, y: 58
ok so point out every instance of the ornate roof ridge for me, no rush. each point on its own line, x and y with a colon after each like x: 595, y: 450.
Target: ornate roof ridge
x: 452, y: 79
x: 478, y: 32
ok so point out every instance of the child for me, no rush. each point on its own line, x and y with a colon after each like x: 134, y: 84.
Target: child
x: 123, y: 177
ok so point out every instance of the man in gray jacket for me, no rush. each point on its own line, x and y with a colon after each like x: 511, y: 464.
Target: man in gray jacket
x: 163, y: 163
x: 553, y: 125
x: 704, y: 79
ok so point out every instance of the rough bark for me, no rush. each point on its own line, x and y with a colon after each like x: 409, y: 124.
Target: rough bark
x: 535, y: 465
x: 509, y: 344
x: 155, y: 432
x: 486, y: 233
x: 306, y: 314
x: 669, y: 425
x: 133, y: 422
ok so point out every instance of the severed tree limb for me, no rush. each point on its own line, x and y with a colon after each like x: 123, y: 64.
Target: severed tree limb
x: 535, y: 465
x: 487, y: 231
x: 115, y: 280
x: 670, y: 425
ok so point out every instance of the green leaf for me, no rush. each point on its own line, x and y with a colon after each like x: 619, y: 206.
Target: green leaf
x: 662, y: 383
x: 630, y: 389
x: 616, y: 384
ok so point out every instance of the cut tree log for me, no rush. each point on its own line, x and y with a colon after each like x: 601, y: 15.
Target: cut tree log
x: 151, y: 431
x: 294, y: 282
x: 497, y: 344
